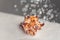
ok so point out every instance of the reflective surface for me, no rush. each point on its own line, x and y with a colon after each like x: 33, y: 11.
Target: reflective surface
x: 10, y: 29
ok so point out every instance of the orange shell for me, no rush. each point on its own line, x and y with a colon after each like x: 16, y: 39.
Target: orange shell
x: 31, y: 25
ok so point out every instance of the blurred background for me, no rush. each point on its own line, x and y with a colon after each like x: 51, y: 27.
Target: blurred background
x: 46, y: 9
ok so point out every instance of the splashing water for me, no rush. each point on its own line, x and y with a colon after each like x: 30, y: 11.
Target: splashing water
x: 45, y: 9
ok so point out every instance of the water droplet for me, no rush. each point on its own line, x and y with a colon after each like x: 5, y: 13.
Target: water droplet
x: 32, y: 1
x: 27, y: 5
x: 45, y: 5
x: 38, y: 10
x: 22, y: 1
x: 44, y: 17
x: 24, y: 9
x: 33, y: 12
x: 30, y: 8
x: 43, y: 10
x: 24, y: 14
x: 33, y: 5
x: 51, y: 16
x: 38, y: 0
x: 49, y: 12
x: 56, y: 15
x: 15, y: 6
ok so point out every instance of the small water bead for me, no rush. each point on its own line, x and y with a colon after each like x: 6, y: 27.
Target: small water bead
x: 50, y: 6
x: 39, y: 10
x: 33, y: 10
x: 45, y: 5
x: 56, y: 15
x: 24, y: 14
x: 36, y: 2
x: 31, y: 1
x: 24, y: 9
x: 51, y: 16
x: 27, y: 5
x: 33, y: 5
x: 45, y: 17
x: 15, y: 6
x: 43, y: 10
x: 49, y: 12
x: 30, y: 8
x: 23, y: 1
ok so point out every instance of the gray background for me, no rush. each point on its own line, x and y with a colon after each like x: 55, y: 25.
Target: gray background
x: 7, y: 6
